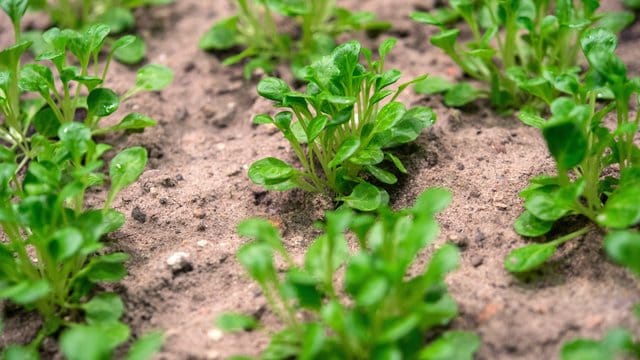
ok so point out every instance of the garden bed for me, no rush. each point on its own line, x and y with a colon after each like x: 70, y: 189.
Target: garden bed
x: 195, y: 191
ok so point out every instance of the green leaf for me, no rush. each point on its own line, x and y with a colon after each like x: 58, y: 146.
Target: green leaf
x: 257, y: 259
x: 103, y: 102
x: 153, y: 77
x: 118, y: 19
x: 368, y: 156
x: 223, y: 35
x: 622, y: 209
x: 389, y: 115
x: 270, y: 171
x: 531, y: 119
x: 432, y: 201
x: 616, y: 21
x: 131, y: 53
x: 145, y: 347
x: 105, y: 268
x: 126, y: 167
x: 348, y: 147
x: 433, y: 85
x: 65, y: 243
x: 236, y: 322
x: 529, y: 257
x: 315, y: 127
x: 446, y: 40
x: 273, y: 89
x: 566, y: 141
x: 93, y: 342
x: 461, y: 94
x: 36, y: 78
x: 600, y: 39
x: 46, y: 122
x: 15, y: 352
x: 529, y: 225
x: 103, y: 308
x: 458, y: 345
x: 26, y: 292
x: 382, y: 175
x: 386, y: 47
x: 75, y: 137
x: 438, y: 17
x: 15, y: 9
x: 365, y: 197
x: 134, y: 121
x: 123, y: 42
x: 624, y: 248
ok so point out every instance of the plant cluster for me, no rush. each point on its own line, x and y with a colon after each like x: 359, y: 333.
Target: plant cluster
x: 52, y: 255
x: 518, y: 47
x: 379, y: 310
x: 586, y: 151
x: 79, y: 14
x: 265, y: 43
x: 342, y: 128
x: 624, y: 248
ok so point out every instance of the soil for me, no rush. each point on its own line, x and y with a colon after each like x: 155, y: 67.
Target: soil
x: 195, y: 191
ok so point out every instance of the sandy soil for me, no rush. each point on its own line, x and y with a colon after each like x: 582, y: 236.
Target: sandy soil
x: 196, y: 191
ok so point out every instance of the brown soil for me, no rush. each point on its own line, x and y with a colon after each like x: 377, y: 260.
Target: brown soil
x: 196, y: 191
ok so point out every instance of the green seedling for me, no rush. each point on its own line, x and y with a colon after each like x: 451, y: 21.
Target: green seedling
x: 341, y: 129
x: 52, y: 255
x: 50, y: 261
x: 515, y: 46
x: 588, y: 155
x: 79, y: 95
x: 617, y: 344
x: 265, y: 44
x: 80, y: 14
x: 624, y: 248
x: 358, y: 305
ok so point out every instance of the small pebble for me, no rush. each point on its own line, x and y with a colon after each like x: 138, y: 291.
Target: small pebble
x: 179, y: 261
x: 199, y: 213
x: 202, y: 243
x: 215, y: 334
x: 477, y: 261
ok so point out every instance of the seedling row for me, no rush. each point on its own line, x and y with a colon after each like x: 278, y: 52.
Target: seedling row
x: 359, y: 291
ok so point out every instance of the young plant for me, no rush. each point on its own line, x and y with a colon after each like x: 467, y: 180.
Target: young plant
x: 624, y: 248
x: 255, y: 29
x: 341, y: 129
x: 515, y: 47
x: 52, y: 255
x: 588, y: 154
x: 79, y: 14
x: 378, y: 310
x: 80, y: 96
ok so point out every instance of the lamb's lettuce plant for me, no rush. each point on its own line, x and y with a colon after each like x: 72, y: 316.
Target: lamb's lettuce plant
x: 69, y: 93
x: 624, y: 248
x: 255, y: 29
x: 598, y: 162
x: 378, y: 310
x: 52, y: 255
x: 515, y: 47
x: 342, y: 129
x: 80, y: 14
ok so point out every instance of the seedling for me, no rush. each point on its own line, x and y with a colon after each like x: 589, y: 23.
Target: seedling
x: 80, y: 96
x: 624, y: 248
x: 53, y: 254
x: 79, y: 14
x: 339, y: 129
x: 378, y: 310
x: 515, y: 47
x: 255, y: 29
x: 588, y: 155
